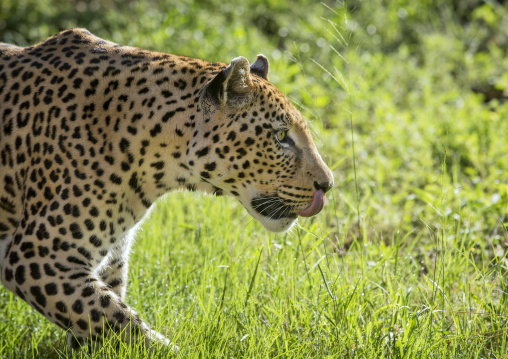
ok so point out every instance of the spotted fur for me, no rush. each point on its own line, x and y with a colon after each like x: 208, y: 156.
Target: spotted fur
x: 92, y: 133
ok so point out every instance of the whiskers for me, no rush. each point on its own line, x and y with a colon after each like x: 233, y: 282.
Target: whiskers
x: 270, y: 204
x: 273, y: 207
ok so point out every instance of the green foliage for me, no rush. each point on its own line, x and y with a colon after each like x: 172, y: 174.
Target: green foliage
x: 410, y: 265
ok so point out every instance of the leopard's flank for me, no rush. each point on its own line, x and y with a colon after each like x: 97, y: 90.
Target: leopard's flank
x: 92, y: 133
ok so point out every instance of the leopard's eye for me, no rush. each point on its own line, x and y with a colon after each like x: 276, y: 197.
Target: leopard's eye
x: 281, y: 135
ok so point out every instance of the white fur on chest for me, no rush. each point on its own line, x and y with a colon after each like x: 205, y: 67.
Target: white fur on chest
x: 122, y: 248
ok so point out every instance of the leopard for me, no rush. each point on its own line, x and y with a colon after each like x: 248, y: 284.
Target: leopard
x: 93, y: 133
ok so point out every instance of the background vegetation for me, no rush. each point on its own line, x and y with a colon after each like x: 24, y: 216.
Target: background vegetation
x: 408, y: 259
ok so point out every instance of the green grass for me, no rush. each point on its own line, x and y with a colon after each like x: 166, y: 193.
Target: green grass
x: 408, y: 259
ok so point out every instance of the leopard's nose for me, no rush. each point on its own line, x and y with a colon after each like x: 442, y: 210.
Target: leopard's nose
x: 324, y: 186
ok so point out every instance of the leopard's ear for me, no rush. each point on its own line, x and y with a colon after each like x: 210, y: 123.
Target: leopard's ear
x: 260, y: 67
x: 231, y: 85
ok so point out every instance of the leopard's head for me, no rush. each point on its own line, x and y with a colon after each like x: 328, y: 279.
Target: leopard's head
x: 260, y: 147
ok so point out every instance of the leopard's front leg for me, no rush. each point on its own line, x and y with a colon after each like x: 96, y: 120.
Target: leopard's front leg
x: 56, y: 278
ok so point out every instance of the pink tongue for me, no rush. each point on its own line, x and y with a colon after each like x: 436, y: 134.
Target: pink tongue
x: 316, y: 206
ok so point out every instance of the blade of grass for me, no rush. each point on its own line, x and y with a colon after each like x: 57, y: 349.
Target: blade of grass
x: 251, y: 285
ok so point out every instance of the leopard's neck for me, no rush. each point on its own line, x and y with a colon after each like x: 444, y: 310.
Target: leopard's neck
x: 162, y: 154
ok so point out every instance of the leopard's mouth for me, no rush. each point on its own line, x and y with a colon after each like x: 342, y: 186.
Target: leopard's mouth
x: 273, y: 207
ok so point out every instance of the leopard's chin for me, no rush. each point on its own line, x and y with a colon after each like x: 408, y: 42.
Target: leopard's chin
x: 273, y: 214
x: 277, y: 225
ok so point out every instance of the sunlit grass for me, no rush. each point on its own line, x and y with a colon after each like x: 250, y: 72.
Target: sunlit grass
x: 219, y: 285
